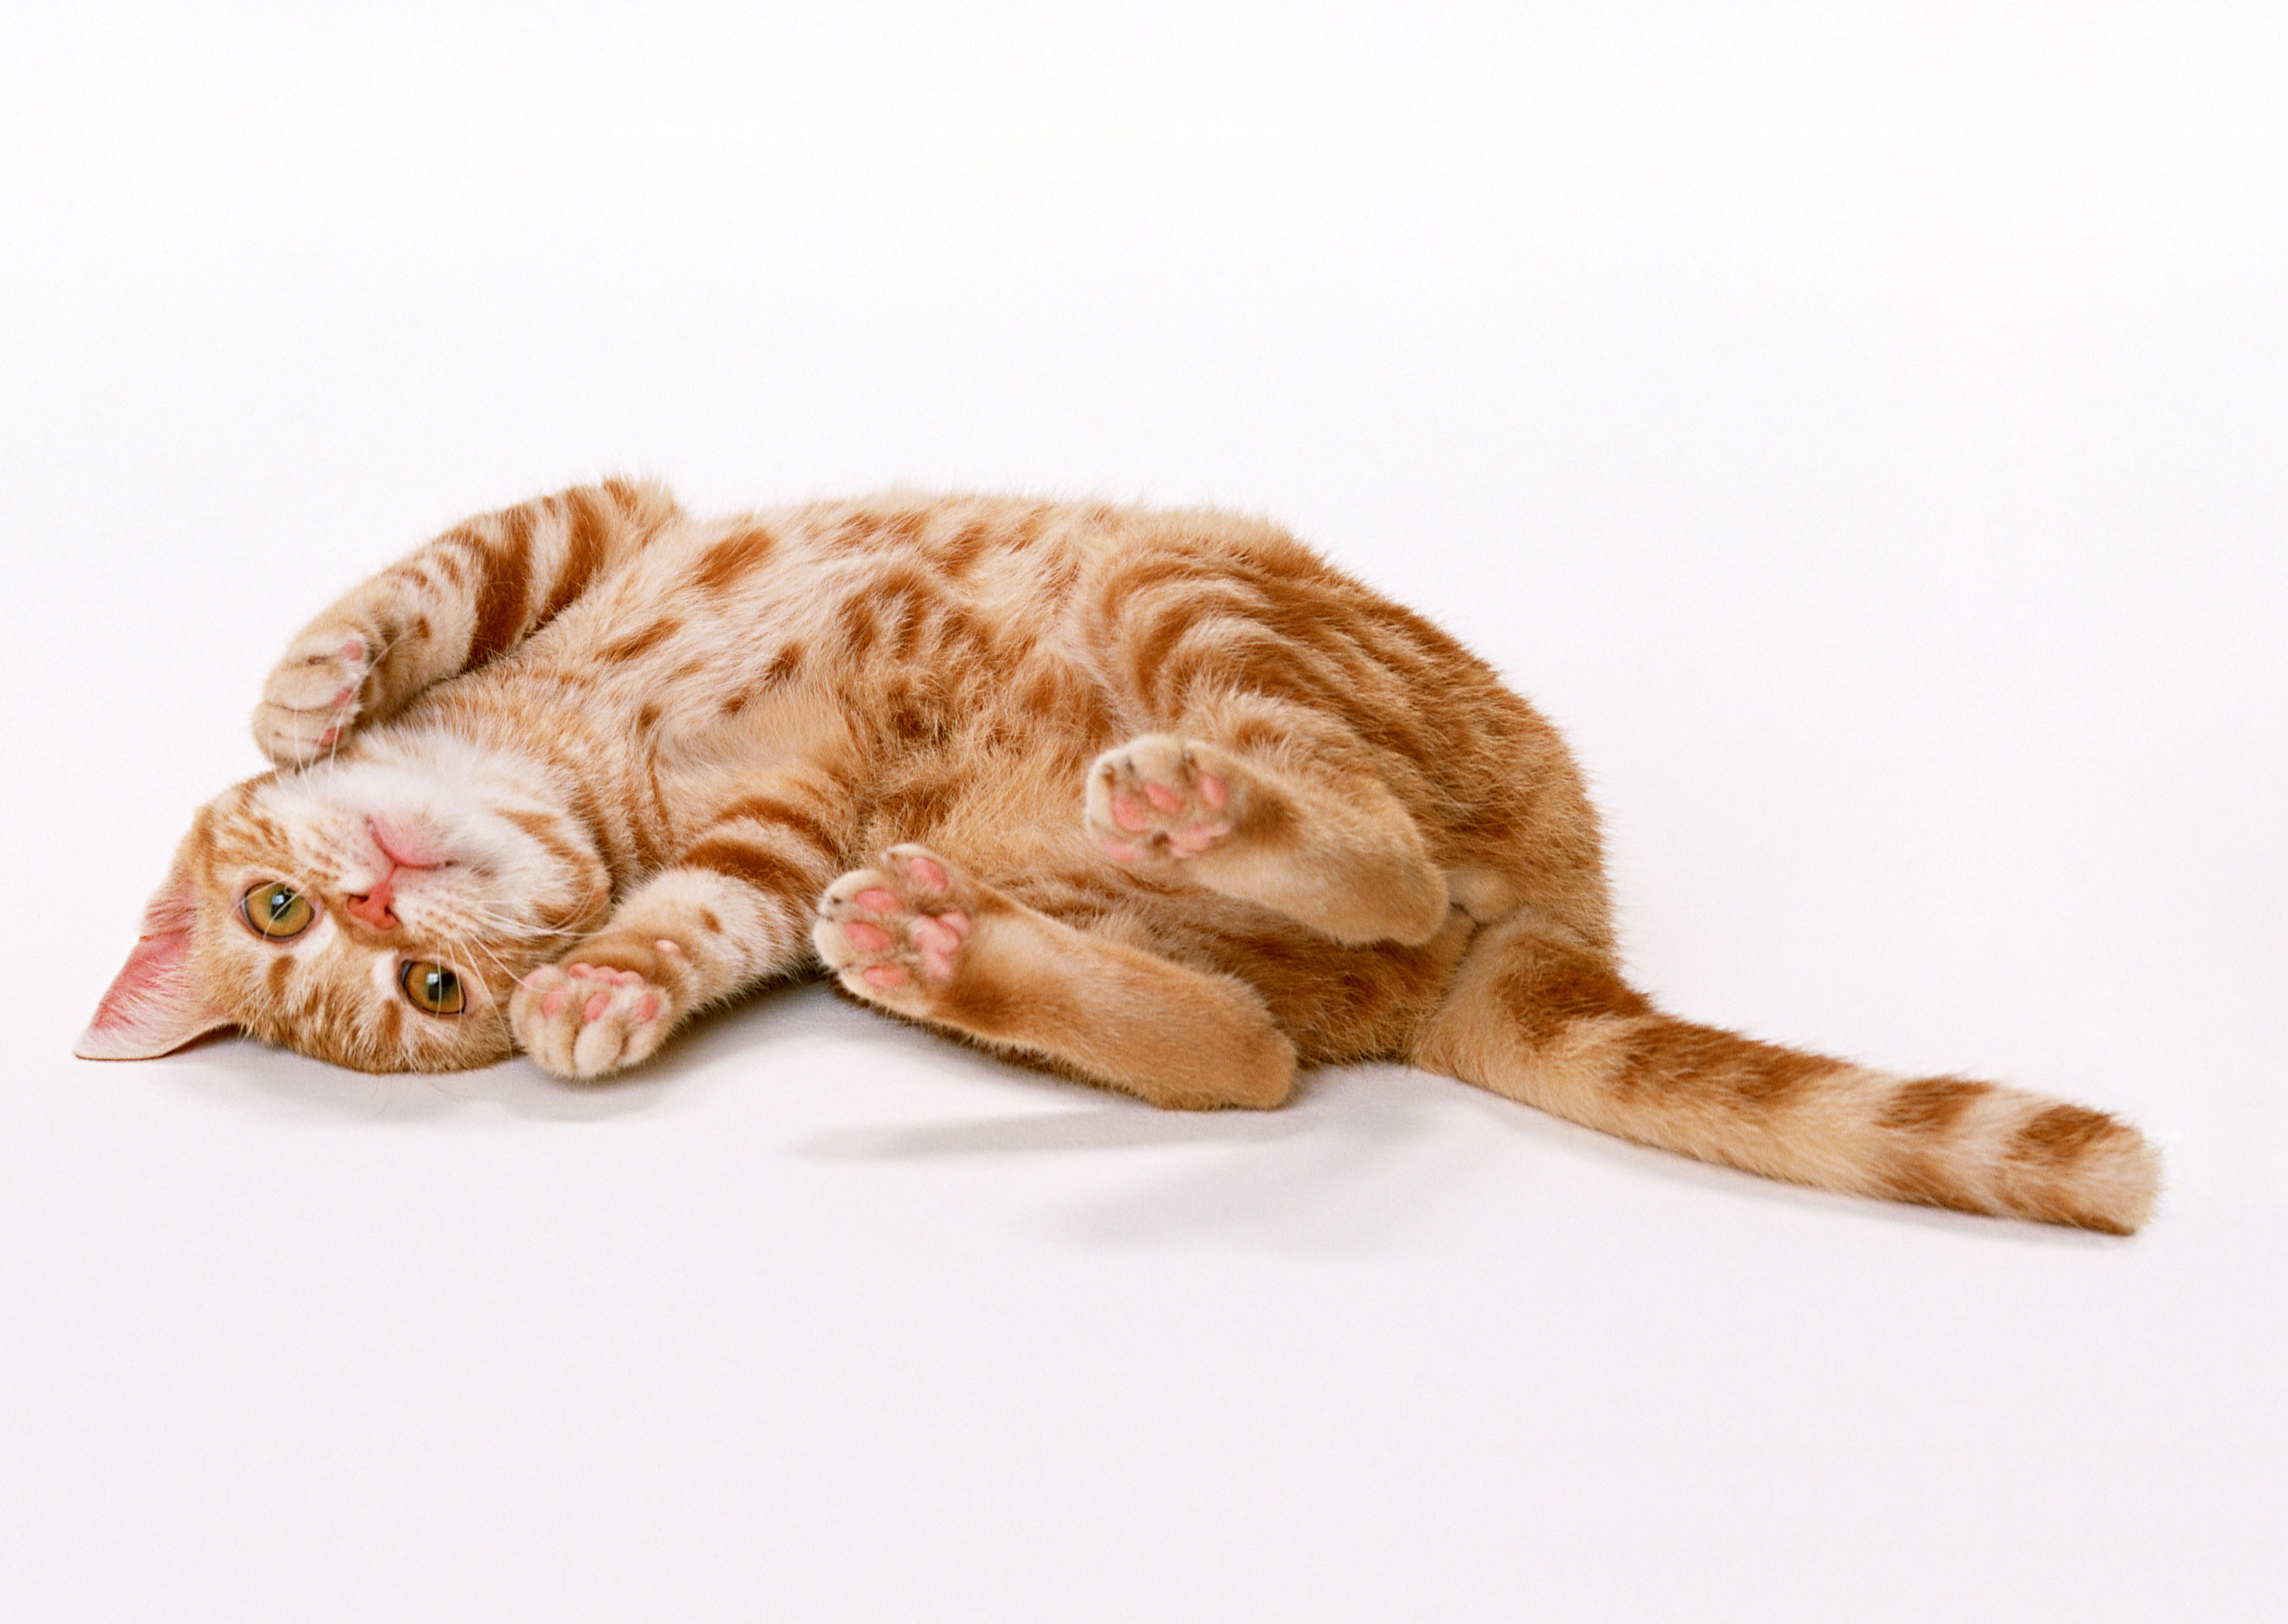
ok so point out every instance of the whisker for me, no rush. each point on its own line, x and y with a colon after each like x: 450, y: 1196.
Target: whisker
x: 466, y: 949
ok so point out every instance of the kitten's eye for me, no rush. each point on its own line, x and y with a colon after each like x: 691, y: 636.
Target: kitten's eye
x: 431, y: 987
x: 277, y: 912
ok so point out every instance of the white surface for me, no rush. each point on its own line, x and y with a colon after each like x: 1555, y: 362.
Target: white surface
x: 1863, y: 429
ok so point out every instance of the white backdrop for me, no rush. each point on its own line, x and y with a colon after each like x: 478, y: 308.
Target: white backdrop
x: 1864, y: 429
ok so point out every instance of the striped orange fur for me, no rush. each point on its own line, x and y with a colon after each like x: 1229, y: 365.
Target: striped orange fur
x: 1156, y: 798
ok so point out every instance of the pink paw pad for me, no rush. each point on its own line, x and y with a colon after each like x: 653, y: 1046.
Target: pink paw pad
x: 894, y: 926
x: 588, y: 992
x: 1159, y: 801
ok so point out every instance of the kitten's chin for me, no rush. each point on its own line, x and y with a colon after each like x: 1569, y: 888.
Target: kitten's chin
x: 495, y: 855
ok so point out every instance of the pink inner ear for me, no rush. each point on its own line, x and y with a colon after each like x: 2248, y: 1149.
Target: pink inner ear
x: 154, y: 1004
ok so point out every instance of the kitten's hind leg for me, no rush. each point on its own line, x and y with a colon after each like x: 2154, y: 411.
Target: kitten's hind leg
x: 1336, y: 853
x: 917, y: 937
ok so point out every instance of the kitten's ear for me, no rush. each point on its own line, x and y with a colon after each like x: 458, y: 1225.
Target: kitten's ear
x: 154, y: 1004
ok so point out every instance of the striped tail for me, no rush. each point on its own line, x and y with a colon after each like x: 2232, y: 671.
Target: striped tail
x: 1553, y: 1025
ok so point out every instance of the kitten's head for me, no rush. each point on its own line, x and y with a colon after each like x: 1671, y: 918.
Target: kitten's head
x: 374, y: 911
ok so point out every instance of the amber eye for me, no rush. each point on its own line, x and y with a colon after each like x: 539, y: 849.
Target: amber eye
x: 277, y: 912
x: 431, y: 987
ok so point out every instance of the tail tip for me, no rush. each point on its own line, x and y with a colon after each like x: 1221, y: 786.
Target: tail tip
x: 2122, y: 1189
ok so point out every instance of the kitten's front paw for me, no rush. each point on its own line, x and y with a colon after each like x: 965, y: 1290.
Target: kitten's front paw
x: 315, y: 694
x: 894, y: 934
x: 1160, y: 797
x: 581, y: 1019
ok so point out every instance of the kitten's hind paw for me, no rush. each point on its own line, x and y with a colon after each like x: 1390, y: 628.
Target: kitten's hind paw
x: 581, y: 1019
x: 894, y: 934
x: 315, y: 694
x: 1161, y: 797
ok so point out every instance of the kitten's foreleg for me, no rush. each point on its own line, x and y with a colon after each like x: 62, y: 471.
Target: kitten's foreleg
x: 1335, y: 851
x: 688, y: 938
x: 685, y: 939
x: 735, y: 910
x: 473, y: 592
x: 917, y: 937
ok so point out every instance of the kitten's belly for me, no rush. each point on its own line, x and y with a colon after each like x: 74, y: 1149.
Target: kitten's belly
x: 997, y: 809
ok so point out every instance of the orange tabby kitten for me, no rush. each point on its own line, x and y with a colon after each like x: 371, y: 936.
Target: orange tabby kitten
x: 1157, y: 799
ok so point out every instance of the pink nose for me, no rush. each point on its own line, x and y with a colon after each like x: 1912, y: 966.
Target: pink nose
x: 373, y: 907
